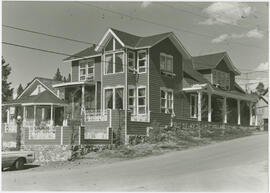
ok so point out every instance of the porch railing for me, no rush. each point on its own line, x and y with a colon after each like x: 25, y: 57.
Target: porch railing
x: 41, y: 132
x: 95, y: 115
x: 28, y: 123
x: 10, y: 127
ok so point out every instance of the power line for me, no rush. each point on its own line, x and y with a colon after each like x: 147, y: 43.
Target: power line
x: 164, y: 25
x: 46, y: 34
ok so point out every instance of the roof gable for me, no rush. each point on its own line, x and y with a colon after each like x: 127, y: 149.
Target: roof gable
x: 211, y: 61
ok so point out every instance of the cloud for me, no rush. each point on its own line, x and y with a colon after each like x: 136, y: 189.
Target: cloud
x: 255, y: 33
x: 220, y: 38
x: 262, y: 66
x: 226, y: 12
x: 145, y: 4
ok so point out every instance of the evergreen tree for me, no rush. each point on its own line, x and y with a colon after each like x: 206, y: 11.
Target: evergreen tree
x: 65, y: 80
x: 58, y: 75
x: 19, y: 90
x: 260, y: 88
x: 6, y: 90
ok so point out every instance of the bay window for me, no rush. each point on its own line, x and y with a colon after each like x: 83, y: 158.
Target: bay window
x: 142, y: 61
x: 141, y: 101
x: 131, y: 61
x: 166, y: 103
x: 131, y: 100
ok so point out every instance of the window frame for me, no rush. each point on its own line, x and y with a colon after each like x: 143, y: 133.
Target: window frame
x: 195, y: 105
x: 165, y: 64
x: 86, y: 68
x: 138, y: 97
x: 167, y: 109
x: 131, y: 60
x: 134, y: 100
x: 114, y: 53
x: 113, y: 96
x: 138, y: 61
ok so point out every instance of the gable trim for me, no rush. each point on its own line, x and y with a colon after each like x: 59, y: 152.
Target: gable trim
x: 32, y: 84
x: 109, y: 31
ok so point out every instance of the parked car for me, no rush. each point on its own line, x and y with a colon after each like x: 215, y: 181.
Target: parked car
x: 17, y: 159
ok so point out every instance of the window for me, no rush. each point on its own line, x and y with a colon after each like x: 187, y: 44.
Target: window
x: 142, y: 61
x: 109, y: 64
x: 119, y: 98
x: 193, y: 106
x: 141, y: 101
x: 131, y: 61
x: 114, y: 63
x: 86, y: 69
x: 114, y: 98
x: 29, y: 112
x: 108, y: 98
x: 221, y: 78
x: 166, y: 63
x: 119, y: 61
x: 131, y: 100
x: 166, y: 100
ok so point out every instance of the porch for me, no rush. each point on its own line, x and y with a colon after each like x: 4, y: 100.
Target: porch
x: 220, y: 106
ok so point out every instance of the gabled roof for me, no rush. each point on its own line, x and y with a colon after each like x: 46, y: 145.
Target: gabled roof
x: 83, y: 54
x: 211, y: 61
x: 48, y: 83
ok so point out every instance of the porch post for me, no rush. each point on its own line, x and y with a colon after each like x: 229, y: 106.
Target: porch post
x: 52, y: 115
x: 250, y: 113
x: 8, y: 117
x: 35, y: 109
x: 209, y: 108
x: 225, y: 110
x: 72, y: 107
x: 83, y: 102
x: 238, y: 112
x: 24, y: 113
x: 199, y: 106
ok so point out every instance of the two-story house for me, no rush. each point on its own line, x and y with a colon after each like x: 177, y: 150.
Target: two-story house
x: 126, y: 83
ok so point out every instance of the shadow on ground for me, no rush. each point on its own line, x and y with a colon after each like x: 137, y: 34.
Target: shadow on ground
x: 25, y: 167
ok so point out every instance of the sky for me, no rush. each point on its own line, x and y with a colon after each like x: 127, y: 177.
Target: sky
x: 240, y: 29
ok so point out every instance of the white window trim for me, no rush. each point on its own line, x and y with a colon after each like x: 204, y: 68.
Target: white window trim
x: 133, y: 60
x: 166, y: 90
x: 113, y: 88
x: 166, y: 56
x: 86, y: 69
x: 196, y: 104
x: 138, y: 60
x: 137, y: 95
x: 113, y: 53
x: 134, y: 97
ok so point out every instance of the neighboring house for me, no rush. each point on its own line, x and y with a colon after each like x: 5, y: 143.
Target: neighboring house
x: 262, y: 110
x: 41, y: 107
x: 126, y: 83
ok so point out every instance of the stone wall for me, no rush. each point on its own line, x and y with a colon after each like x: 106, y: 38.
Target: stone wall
x: 46, y: 153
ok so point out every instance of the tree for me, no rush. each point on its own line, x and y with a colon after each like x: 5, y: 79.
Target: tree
x: 260, y: 88
x: 19, y: 90
x: 58, y: 75
x: 65, y: 80
x: 6, y: 90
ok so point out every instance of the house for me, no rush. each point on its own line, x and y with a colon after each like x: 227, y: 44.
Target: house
x: 125, y: 83
x: 262, y: 111
x: 41, y: 107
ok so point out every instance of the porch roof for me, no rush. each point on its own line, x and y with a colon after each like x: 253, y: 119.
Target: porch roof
x: 69, y: 84
x: 213, y: 90
x: 42, y: 98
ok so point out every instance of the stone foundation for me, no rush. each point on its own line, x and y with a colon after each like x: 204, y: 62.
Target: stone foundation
x: 47, y: 153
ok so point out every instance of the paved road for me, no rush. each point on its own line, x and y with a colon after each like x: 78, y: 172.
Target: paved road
x: 236, y: 165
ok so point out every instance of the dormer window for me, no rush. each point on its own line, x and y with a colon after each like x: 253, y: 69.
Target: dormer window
x: 166, y: 64
x: 220, y: 78
x: 86, y: 69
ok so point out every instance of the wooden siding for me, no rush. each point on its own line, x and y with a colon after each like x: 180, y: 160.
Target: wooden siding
x: 28, y: 92
x: 98, y: 68
x: 114, y: 79
x: 206, y: 74
x: 156, y: 80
